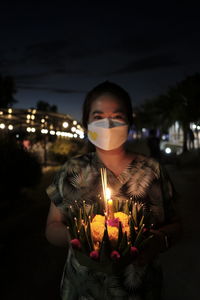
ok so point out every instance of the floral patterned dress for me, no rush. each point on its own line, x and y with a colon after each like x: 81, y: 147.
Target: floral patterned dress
x: 144, y: 180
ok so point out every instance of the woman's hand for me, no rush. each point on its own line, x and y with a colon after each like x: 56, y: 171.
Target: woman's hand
x: 158, y: 243
x: 56, y: 230
x: 152, y: 248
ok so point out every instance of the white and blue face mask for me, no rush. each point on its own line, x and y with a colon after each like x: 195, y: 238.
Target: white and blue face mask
x: 107, y: 134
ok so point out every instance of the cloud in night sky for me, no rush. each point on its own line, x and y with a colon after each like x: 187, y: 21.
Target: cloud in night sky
x: 148, y: 63
x: 53, y: 90
x: 41, y: 75
x: 140, y: 44
x: 56, y: 53
x: 60, y: 52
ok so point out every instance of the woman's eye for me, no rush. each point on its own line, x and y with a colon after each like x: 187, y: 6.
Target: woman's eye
x: 97, y: 118
x: 119, y: 117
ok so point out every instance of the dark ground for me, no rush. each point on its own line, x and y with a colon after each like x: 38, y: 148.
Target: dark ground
x: 31, y: 268
x: 182, y: 263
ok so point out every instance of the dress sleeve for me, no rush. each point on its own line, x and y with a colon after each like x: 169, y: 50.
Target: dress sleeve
x: 55, y: 189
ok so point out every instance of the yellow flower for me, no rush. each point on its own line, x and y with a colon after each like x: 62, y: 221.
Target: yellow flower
x: 122, y: 217
x: 99, y: 218
x: 113, y: 234
x: 97, y: 229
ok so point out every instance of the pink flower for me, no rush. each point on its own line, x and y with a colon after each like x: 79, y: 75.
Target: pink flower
x: 76, y: 244
x: 94, y: 254
x: 134, y: 252
x: 113, y: 222
x: 115, y: 255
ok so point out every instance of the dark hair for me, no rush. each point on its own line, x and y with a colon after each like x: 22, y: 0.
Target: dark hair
x: 113, y: 89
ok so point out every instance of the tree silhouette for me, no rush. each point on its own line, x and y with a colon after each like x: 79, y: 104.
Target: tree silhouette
x: 45, y: 106
x: 180, y: 103
x: 185, y: 104
x: 7, y: 90
x: 54, y: 108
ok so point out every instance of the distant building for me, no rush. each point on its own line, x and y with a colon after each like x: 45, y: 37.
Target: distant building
x: 32, y: 121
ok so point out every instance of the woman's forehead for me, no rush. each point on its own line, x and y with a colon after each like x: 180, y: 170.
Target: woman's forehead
x: 107, y: 103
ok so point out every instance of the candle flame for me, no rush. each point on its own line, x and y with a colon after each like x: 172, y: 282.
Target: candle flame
x: 108, y: 193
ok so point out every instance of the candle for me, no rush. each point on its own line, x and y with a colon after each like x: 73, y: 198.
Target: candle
x: 109, y: 204
x: 110, y: 209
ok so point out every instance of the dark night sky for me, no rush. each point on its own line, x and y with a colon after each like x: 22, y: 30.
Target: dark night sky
x: 57, y: 53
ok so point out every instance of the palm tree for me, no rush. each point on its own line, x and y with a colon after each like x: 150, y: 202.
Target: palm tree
x: 180, y: 103
x: 186, y: 105
x: 154, y: 113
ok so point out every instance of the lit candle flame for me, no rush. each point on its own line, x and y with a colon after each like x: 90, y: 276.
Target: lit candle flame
x: 108, y: 193
x: 109, y: 204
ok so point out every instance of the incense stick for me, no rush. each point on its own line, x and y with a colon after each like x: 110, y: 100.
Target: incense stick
x: 104, y: 185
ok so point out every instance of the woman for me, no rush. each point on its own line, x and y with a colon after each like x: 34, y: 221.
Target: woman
x: 107, y: 116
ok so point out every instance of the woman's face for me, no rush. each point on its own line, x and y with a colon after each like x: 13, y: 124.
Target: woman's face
x: 107, y: 106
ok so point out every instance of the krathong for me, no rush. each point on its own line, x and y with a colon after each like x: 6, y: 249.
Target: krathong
x: 108, y: 241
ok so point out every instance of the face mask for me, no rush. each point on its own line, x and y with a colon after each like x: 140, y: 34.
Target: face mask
x: 107, y: 134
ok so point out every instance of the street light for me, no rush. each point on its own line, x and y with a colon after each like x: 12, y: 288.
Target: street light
x: 2, y: 126
x: 10, y: 127
x: 65, y: 124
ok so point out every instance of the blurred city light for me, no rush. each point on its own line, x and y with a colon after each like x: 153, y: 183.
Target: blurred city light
x: 2, y: 126
x: 73, y: 129
x: 44, y: 131
x: 22, y: 120
x: 52, y: 132
x: 65, y: 124
x: 168, y: 150
x: 10, y: 127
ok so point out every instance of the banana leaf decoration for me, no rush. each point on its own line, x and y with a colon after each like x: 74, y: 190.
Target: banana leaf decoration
x: 139, y: 237
x: 141, y: 221
x: 84, y: 240
x: 105, y: 247
x: 126, y: 252
x: 120, y: 235
x: 134, y: 214
x: 84, y: 213
x: 133, y: 233
x: 89, y: 236
x: 79, y: 223
x: 126, y: 207
x: 145, y: 242
x: 139, y: 212
x: 91, y: 211
x: 79, y: 219
x: 124, y: 243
